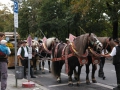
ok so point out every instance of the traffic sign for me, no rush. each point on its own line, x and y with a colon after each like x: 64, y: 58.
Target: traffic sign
x: 15, y: 6
x: 16, y: 14
x: 16, y: 20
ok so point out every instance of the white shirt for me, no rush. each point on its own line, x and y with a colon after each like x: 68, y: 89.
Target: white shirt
x: 25, y: 49
x: 113, y: 53
x: 104, y: 51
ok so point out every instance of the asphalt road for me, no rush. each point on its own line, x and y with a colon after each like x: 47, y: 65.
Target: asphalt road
x: 49, y: 81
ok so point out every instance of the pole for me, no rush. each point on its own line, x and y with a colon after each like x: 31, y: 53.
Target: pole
x: 42, y: 32
x: 15, y: 26
x: 28, y: 67
x: 29, y: 41
x: 15, y: 51
x: 82, y: 29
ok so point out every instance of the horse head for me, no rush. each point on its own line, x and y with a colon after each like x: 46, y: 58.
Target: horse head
x: 84, y: 41
x: 94, y: 43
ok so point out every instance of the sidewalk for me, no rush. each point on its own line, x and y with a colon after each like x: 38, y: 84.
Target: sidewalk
x: 11, y: 84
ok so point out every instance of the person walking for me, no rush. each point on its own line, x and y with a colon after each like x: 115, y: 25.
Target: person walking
x: 3, y: 62
x: 116, y: 61
x: 101, y: 65
x: 23, y: 55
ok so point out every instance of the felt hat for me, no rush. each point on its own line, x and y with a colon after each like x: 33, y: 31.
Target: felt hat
x: 24, y: 41
x: 116, y: 40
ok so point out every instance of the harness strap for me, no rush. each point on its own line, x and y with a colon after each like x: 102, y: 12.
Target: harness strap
x: 96, y: 57
x: 73, y: 47
x: 56, y: 48
x: 44, y: 46
x: 63, y: 57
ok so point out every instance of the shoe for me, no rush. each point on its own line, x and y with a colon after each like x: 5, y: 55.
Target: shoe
x: 25, y: 77
x: 33, y: 77
x: 116, y: 88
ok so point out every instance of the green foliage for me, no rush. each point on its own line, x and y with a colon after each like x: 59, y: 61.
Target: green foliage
x: 60, y: 17
x: 6, y: 19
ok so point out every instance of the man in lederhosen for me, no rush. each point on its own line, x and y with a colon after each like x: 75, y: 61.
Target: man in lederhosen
x: 23, y: 55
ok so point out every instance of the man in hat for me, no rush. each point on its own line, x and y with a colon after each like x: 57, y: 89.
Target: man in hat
x: 23, y: 55
x: 116, y: 61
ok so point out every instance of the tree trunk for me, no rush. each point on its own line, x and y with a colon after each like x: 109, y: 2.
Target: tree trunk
x: 115, y: 29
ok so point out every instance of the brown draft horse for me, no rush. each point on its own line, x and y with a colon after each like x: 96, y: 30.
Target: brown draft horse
x: 74, y: 53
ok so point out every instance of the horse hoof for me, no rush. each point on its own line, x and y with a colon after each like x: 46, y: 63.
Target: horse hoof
x: 104, y: 78
x: 94, y: 81
x: 59, y: 81
x: 78, y: 84
x: 70, y: 84
x: 49, y: 71
x: 88, y: 82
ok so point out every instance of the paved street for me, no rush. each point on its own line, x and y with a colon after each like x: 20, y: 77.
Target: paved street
x: 49, y: 81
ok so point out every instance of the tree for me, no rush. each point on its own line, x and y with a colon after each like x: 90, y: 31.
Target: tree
x: 113, y: 11
x: 28, y: 17
x: 6, y: 19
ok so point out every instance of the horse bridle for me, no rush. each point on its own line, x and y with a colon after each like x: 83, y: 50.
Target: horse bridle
x: 91, y: 49
x: 93, y: 43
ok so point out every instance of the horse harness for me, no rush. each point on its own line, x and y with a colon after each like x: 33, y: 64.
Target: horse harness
x: 44, y: 48
x: 65, y: 55
x: 82, y: 59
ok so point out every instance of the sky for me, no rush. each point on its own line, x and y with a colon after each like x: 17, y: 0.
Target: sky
x: 8, y: 3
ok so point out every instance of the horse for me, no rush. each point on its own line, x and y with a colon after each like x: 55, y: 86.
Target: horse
x: 72, y: 55
x: 108, y: 44
x: 45, y: 52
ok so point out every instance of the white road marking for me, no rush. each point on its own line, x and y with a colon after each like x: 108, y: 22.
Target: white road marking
x: 99, y: 84
x: 62, y: 84
x: 113, y: 70
x: 11, y: 74
x: 103, y: 85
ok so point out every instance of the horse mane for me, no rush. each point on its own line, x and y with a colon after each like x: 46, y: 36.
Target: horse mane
x: 35, y: 43
x: 49, y: 41
x: 80, y: 43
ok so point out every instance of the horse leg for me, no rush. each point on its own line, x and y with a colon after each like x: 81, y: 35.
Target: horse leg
x: 43, y: 63
x: 49, y: 66
x: 40, y: 65
x: 78, y: 76
x: 94, y: 68
x: 87, y: 74
x: 70, y: 83
x: 59, y: 71
x: 75, y: 74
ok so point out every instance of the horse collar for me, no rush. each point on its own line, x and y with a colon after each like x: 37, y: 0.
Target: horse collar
x: 44, y: 46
